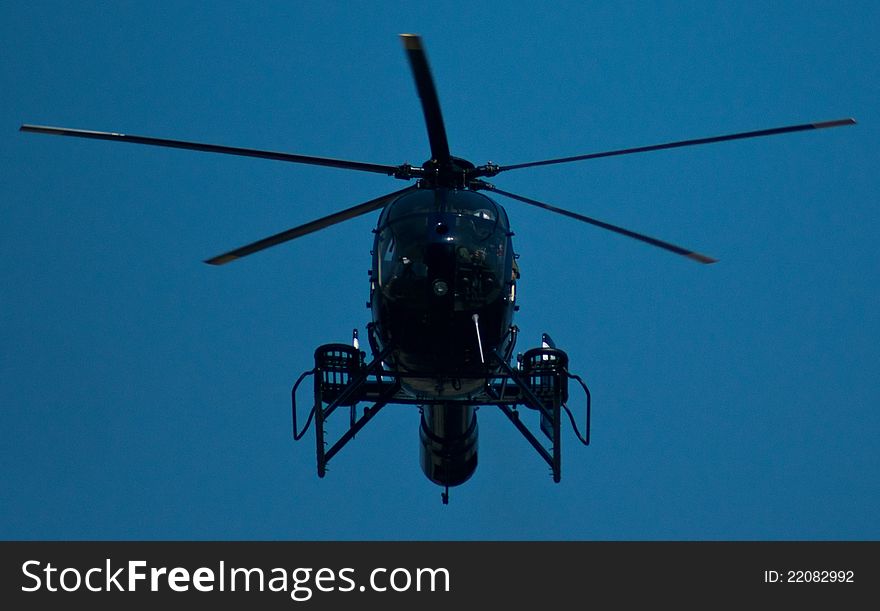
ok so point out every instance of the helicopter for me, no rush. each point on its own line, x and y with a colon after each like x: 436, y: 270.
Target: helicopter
x: 442, y: 293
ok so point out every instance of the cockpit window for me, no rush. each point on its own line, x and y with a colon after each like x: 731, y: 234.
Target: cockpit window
x: 464, y: 203
x: 441, y: 245
x: 420, y: 202
x: 479, y: 207
x: 468, y: 270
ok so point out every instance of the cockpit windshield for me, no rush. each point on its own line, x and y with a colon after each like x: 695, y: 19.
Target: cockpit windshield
x: 468, y: 203
x: 437, y: 245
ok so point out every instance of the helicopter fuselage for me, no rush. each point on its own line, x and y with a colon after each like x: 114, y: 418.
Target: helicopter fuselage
x: 443, y: 293
x: 443, y: 288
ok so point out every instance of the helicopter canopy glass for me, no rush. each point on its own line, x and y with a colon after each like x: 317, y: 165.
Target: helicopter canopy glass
x: 435, y: 245
x: 451, y: 201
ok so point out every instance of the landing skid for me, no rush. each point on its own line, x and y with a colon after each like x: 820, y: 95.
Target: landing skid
x: 539, y: 383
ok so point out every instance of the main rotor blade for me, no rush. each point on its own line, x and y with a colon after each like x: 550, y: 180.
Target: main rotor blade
x: 631, y: 234
x: 669, y: 145
x: 418, y: 61
x: 312, y: 226
x: 212, y: 148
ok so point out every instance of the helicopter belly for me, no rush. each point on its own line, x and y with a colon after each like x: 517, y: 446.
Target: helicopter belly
x: 451, y: 349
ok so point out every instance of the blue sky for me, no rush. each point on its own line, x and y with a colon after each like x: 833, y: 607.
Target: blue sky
x: 145, y: 395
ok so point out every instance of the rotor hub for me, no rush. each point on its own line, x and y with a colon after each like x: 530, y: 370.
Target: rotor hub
x: 454, y: 173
